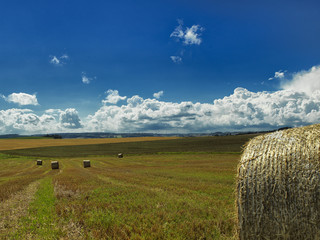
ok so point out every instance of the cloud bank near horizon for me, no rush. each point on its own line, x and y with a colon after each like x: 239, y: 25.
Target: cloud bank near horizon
x: 305, y: 81
x: 296, y: 104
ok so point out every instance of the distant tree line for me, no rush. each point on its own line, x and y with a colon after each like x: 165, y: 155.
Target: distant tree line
x: 55, y: 136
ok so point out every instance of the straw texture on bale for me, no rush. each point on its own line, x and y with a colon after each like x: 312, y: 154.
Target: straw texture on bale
x: 39, y: 162
x: 120, y: 155
x: 86, y: 163
x: 55, y: 165
x: 278, y: 186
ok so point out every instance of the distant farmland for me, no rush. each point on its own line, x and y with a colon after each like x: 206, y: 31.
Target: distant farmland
x: 167, y: 189
x: 20, y: 143
x: 89, y: 147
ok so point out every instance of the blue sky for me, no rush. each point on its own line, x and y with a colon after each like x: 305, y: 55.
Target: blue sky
x: 158, y: 66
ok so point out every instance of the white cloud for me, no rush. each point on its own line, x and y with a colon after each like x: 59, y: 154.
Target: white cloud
x: 188, y: 35
x: 134, y: 101
x: 54, y: 112
x: 296, y: 105
x: 70, y: 119
x: 242, y: 110
x: 176, y: 59
x: 64, y: 56
x: 59, y: 61
x: 54, y: 60
x: 22, y: 99
x: 85, y: 79
x: 22, y: 121
x: 25, y: 121
x: 192, y: 35
x: 278, y: 75
x: 304, y: 81
x: 113, y: 97
x: 178, y: 31
x: 158, y: 94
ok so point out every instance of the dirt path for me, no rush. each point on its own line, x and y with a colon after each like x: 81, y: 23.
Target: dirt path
x: 12, y: 209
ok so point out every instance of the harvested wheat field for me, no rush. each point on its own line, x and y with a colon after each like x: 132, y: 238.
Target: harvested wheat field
x: 9, y: 144
x: 171, y: 189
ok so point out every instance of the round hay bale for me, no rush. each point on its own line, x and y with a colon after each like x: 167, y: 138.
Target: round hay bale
x: 39, y: 162
x: 86, y: 163
x: 55, y: 165
x: 120, y: 155
x: 278, y: 186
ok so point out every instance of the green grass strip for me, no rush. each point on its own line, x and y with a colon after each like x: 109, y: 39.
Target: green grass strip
x: 41, y: 223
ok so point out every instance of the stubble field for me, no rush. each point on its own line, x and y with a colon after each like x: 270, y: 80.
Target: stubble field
x: 167, y: 189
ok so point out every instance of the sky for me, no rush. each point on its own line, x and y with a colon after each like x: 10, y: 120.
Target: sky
x: 158, y: 66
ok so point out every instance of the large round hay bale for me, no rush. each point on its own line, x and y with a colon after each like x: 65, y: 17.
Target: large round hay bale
x: 39, y: 162
x: 278, y: 186
x: 55, y: 165
x: 120, y: 155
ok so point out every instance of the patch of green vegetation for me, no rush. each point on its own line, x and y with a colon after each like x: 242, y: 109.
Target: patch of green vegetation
x: 5, y: 156
x: 41, y: 221
x: 132, y: 211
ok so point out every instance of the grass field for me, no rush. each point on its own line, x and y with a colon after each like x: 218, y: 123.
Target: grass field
x: 167, y: 189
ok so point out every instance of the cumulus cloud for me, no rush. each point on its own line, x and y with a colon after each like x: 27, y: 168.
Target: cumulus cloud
x: 22, y: 99
x: 58, y: 61
x: 70, y: 119
x: 304, y: 81
x: 21, y: 121
x: 188, y: 35
x: 158, y: 94
x: 176, y: 59
x: 25, y: 121
x: 242, y: 110
x: 296, y: 104
x: 113, y: 97
x: 86, y: 79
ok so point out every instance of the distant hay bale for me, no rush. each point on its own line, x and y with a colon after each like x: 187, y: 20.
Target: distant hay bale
x: 39, y: 162
x: 120, y: 155
x: 278, y: 186
x: 55, y: 165
x: 86, y: 163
